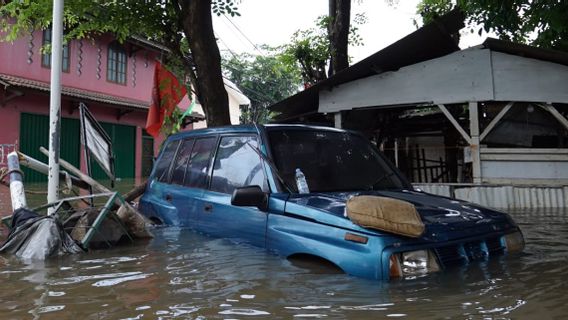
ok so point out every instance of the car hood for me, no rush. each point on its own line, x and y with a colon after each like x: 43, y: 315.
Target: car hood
x: 444, y: 218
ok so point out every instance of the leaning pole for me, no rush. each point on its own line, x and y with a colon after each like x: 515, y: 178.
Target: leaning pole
x: 55, y: 103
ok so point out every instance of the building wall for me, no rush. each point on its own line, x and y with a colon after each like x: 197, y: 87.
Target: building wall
x: 87, y: 67
x: 87, y: 71
x: 234, y: 113
x: 36, y: 103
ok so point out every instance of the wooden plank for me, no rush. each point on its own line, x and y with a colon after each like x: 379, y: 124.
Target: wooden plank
x: 455, y: 123
x: 396, y: 152
x: 524, y: 79
x: 424, y: 166
x: 524, y: 151
x: 337, y: 120
x: 457, y: 77
x: 418, y: 169
x: 474, y: 143
x: 495, y: 121
x: 69, y: 167
x: 551, y: 170
x: 524, y: 157
x: 556, y: 114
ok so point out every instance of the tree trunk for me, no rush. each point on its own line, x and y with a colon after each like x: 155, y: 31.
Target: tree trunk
x: 338, y: 31
x: 198, y: 28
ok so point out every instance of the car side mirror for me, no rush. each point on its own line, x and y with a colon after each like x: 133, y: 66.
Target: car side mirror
x: 250, y: 196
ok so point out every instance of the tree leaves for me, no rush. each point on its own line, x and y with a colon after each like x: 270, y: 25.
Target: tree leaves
x: 264, y: 79
x: 220, y: 7
x: 310, y: 49
x: 542, y: 23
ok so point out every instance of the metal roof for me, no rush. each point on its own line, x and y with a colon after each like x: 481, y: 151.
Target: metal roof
x: 431, y: 41
x: 77, y: 93
x: 526, y: 51
x: 147, y: 43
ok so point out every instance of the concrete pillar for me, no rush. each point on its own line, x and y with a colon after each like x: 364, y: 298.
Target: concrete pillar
x: 474, y: 134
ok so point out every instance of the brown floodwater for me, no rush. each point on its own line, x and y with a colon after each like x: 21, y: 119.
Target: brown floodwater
x: 184, y: 274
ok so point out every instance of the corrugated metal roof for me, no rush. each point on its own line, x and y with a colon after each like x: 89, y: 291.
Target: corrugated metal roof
x: 74, y: 92
x: 431, y: 41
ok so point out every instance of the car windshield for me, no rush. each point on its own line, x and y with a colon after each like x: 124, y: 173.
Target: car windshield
x: 331, y: 160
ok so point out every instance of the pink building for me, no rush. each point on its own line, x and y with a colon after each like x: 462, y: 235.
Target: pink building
x: 114, y: 80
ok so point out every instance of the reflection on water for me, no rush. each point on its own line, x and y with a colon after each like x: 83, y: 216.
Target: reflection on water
x: 184, y: 274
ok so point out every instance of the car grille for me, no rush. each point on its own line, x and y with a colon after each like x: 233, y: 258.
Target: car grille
x: 463, y: 253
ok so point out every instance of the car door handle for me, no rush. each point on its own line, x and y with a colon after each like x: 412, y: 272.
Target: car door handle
x: 208, y: 208
x: 168, y: 197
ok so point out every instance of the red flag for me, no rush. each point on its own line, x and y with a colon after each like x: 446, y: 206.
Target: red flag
x: 166, y: 94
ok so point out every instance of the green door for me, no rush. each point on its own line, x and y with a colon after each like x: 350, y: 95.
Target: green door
x: 34, y: 132
x: 123, y: 140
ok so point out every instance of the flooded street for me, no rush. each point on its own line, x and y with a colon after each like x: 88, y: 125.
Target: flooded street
x: 184, y: 274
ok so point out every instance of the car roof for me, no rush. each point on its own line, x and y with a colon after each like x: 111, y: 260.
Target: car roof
x: 249, y: 128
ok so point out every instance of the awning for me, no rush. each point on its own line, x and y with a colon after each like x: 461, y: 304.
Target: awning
x: 77, y: 93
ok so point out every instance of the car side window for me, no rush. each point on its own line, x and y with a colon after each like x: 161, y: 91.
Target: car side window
x: 196, y: 172
x: 163, y: 165
x: 237, y: 164
x: 180, y: 165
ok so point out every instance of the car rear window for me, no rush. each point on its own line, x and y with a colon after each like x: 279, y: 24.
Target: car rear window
x: 196, y: 172
x: 163, y: 164
x: 180, y: 165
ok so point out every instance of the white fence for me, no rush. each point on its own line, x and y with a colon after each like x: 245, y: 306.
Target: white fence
x: 503, y: 197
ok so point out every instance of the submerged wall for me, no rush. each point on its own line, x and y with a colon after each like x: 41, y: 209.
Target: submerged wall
x: 503, y: 197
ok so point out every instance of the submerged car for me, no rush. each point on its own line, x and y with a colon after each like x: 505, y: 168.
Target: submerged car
x: 355, y: 209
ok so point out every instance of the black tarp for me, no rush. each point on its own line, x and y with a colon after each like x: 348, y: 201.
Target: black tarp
x: 36, y: 237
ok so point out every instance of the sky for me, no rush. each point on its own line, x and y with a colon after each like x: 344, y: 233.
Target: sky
x: 273, y: 22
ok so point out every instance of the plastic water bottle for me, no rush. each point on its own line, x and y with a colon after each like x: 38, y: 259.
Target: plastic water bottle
x: 301, y: 182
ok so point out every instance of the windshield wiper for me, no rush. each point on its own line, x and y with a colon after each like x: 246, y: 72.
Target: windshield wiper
x: 380, y: 179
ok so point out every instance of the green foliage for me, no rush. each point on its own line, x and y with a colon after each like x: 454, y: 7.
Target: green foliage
x: 265, y: 80
x: 154, y: 19
x: 542, y: 23
x: 309, y: 49
x: 172, y: 124
x: 220, y: 7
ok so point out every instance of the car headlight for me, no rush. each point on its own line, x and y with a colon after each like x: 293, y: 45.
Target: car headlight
x: 413, y: 263
x: 515, y: 242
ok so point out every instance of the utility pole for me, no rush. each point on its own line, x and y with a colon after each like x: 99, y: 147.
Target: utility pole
x: 55, y: 103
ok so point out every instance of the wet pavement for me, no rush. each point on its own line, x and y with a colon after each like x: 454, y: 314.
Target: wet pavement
x: 183, y: 274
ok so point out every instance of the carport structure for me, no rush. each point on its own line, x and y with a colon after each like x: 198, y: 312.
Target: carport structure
x: 495, y: 76
x: 503, y: 104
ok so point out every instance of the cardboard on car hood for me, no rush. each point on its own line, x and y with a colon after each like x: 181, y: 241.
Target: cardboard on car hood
x: 385, y: 214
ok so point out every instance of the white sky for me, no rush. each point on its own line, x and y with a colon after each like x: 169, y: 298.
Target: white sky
x: 273, y: 22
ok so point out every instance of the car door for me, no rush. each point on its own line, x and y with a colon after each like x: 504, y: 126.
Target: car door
x: 178, y: 194
x: 192, y: 180
x: 236, y: 165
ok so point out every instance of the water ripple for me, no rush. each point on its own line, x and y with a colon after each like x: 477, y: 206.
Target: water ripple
x: 184, y: 274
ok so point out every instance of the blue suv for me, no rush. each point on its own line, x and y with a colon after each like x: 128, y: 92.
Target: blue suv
x: 354, y: 210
